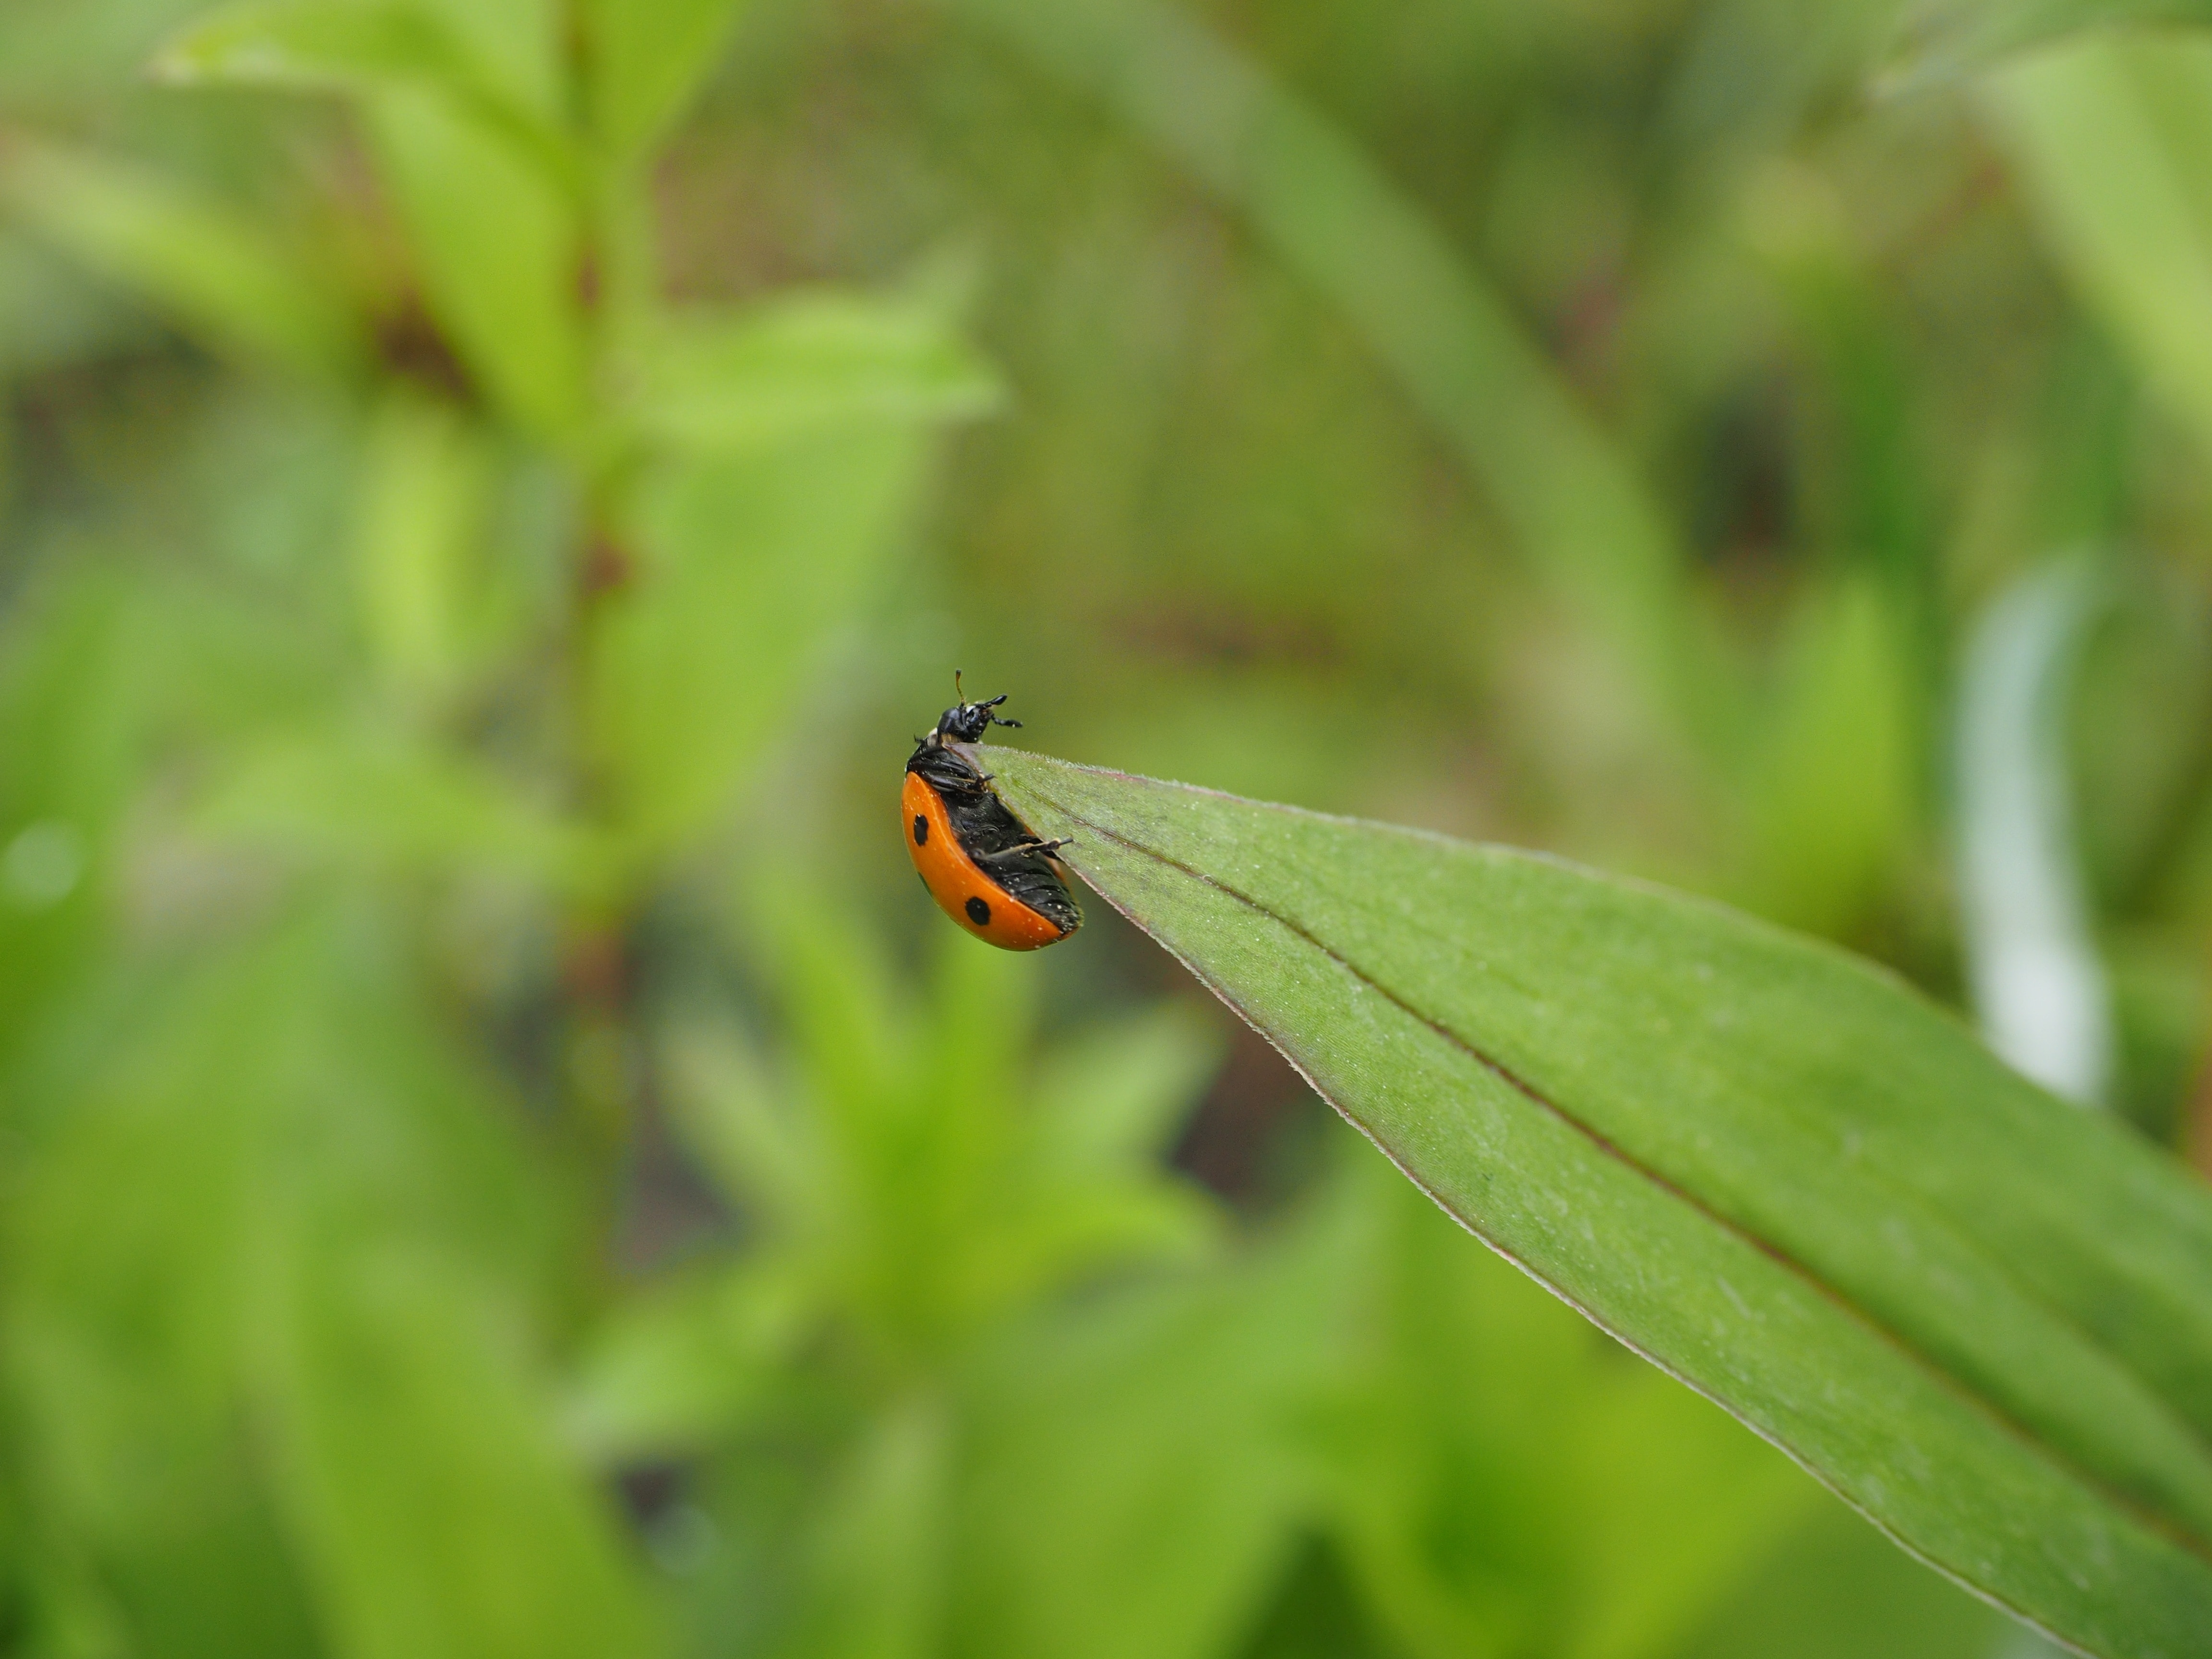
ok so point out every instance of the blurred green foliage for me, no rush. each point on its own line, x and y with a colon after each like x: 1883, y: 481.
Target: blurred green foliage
x: 488, y: 491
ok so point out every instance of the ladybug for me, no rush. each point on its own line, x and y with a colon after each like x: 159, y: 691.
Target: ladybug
x: 982, y: 864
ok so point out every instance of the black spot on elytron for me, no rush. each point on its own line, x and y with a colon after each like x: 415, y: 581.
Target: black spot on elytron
x: 920, y: 830
x: 979, y: 912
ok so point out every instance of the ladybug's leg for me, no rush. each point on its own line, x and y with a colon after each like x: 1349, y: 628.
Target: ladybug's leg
x: 1023, y: 849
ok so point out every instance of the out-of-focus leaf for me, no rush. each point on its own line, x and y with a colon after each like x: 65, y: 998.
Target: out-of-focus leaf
x: 1941, y: 39
x: 518, y: 42
x: 648, y: 60
x: 420, y: 1466
x: 1584, y: 520
x: 1507, y: 1482
x: 104, y: 668
x: 707, y: 382
x: 1830, y: 794
x: 901, y: 1158
x: 760, y: 1146
x: 217, y: 275
x: 50, y: 315
x: 1835, y: 1588
x: 315, y: 46
x: 498, y: 54
x: 1680, y: 1503
x: 425, y: 480
x: 876, y: 1547
x: 388, y: 801
x: 747, y: 566
x: 1135, y: 1474
x: 2112, y: 140
x: 1867, y: 499
x: 461, y: 100
x: 318, y: 1227
x: 1117, y: 1095
x: 494, y: 231
x: 678, y: 1365
x: 2039, y: 987
x: 1984, y: 1319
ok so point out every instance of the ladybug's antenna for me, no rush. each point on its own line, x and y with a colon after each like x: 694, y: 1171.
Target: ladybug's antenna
x: 958, y: 695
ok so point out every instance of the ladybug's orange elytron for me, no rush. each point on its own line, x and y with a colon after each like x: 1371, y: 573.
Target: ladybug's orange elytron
x: 983, y: 866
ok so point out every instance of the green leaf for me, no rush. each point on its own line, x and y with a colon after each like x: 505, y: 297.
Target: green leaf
x: 421, y: 1470
x: 1133, y: 1476
x: 426, y: 477
x: 219, y: 276
x: 315, y: 47
x: 1505, y: 1484
x: 1116, y: 1096
x: 648, y: 60
x: 381, y: 800
x: 704, y: 381
x: 1940, y: 39
x: 679, y: 1365
x: 494, y: 233
x: 746, y: 567
x: 461, y: 100
x: 1830, y: 786
x: 1983, y: 1317
x: 323, y: 1229
x: 873, y: 1551
x: 2112, y: 141
x: 501, y: 53
x: 897, y: 1159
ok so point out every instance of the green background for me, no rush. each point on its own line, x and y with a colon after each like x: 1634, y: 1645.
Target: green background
x: 497, y: 1157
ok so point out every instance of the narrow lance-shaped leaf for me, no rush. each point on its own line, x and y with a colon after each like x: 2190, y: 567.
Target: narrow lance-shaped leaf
x: 1940, y: 39
x: 2108, y: 138
x: 648, y: 58
x: 1983, y: 1318
x: 707, y: 380
x: 218, y: 275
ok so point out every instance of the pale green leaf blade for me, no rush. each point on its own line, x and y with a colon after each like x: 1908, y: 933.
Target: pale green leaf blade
x: 1941, y: 38
x: 313, y: 47
x: 1829, y: 789
x: 494, y: 231
x: 678, y: 1365
x: 707, y: 382
x: 516, y: 46
x: 426, y: 480
x: 218, y: 274
x: 2111, y: 138
x: 338, y: 794
x: 1134, y: 1481
x: 423, y: 1472
x: 1981, y: 1316
x: 2039, y: 987
x: 501, y: 52
x: 746, y: 566
x: 648, y: 60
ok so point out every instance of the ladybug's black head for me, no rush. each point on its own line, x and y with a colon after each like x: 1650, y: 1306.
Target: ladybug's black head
x: 965, y: 722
